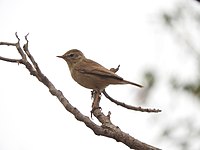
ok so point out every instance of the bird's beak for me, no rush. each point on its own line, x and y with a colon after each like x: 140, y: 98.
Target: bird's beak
x: 60, y: 56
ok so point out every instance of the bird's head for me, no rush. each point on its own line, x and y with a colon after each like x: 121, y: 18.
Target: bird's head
x: 72, y: 57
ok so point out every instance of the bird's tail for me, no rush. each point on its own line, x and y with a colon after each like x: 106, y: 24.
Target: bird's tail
x: 132, y: 83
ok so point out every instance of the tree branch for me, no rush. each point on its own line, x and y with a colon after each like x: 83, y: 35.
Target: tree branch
x: 107, y: 129
x: 129, y: 106
x: 10, y: 60
x: 125, y: 105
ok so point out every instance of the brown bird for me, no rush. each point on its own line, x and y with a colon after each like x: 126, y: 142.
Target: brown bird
x: 89, y: 73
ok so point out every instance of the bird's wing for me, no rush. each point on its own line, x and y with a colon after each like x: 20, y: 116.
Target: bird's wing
x: 91, y: 67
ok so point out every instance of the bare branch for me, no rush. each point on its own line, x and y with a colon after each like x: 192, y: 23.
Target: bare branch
x: 107, y: 129
x: 129, y: 106
x: 10, y: 60
x: 17, y: 37
x: 26, y: 50
x: 125, y: 105
x: 19, y: 47
x: 26, y: 37
x: 114, y: 131
x: 115, y: 69
x: 7, y: 44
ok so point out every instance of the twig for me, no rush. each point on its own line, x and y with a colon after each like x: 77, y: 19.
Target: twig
x: 125, y: 105
x: 129, y: 106
x: 26, y: 50
x: 19, y: 47
x: 115, y: 69
x: 110, y: 127
x: 10, y: 60
x: 7, y: 43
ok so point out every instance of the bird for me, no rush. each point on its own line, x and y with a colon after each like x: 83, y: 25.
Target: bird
x: 91, y: 74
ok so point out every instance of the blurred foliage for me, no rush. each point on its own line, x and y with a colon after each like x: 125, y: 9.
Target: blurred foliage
x: 184, y: 22
x: 187, y: 139
x: 192, y: 88
x: 149, y: 78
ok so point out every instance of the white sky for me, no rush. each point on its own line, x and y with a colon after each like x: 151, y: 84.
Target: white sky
x: 111, y: 32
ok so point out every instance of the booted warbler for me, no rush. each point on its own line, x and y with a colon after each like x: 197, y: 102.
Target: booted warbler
x: 89, y: 73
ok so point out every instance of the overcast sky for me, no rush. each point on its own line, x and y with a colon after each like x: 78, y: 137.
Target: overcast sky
x: 112, y: 32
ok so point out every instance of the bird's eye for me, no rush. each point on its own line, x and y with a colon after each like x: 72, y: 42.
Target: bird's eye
x: 71, y: 55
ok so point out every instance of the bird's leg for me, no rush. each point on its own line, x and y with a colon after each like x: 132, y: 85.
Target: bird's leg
x: 96, y: 95
x: 92, y: 94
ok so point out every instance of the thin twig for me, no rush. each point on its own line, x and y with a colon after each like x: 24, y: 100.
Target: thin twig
x: 19, y: 47
x: 129, y: 106
x: 10, y: 60
x: 25, y: 48
x: 7, y: 44
x: 17, y: 37
x: 26, y: 37
x: 126, y: 105
x: 115, y: 69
